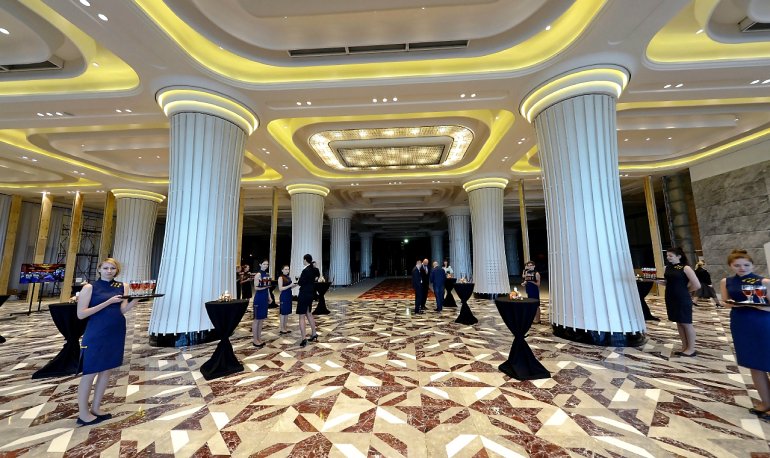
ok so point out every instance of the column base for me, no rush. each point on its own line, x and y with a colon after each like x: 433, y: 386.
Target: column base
x: 600, y: 338
x: 488, y: 295
x: 183, y: 339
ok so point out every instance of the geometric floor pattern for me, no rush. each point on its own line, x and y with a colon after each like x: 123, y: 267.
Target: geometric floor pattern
x: 394, y: 288
x: 384, y: 383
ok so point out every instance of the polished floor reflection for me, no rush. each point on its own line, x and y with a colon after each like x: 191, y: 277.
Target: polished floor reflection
x: 382, y: 382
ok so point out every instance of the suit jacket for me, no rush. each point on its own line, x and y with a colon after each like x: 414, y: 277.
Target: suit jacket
x: 306, y: 282
x: 417, y: 278
x: 424, y: 275
x: 437, y: 277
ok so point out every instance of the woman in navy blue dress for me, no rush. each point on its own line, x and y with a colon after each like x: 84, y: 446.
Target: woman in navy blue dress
x: 261, y: 301
x: 104, y: 338
x: 531, y: 285
x: 680, y: 279
x: 750, y: 326
x: 285, y: 286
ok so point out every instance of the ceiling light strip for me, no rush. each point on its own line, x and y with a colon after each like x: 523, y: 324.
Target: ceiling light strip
x: 138, y: 194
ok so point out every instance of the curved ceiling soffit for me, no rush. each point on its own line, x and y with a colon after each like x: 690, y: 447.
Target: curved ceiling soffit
x: 109, y: 74
x: 525, y: 167
x: 352, y: 196
x: 499, y: 123
x: 685, y: 41
x: 34, y: 142
x: 537, y: 50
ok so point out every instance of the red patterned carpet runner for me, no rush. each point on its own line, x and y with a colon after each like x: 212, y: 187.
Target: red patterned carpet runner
x: 393, y: 288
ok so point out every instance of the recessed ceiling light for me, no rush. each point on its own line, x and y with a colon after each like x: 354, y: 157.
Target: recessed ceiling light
x: 24, y: 157
x: 519, y: 142
x: 157, y: 157
x: 59, y: 113
x: 523, y: 138
x: 118, y: 111
x: 666, y: 86
x: 95, y: 64
x: 625, y: 139
x: 647, y: 139
x: 40, y: 114
x: 102, y: 17
x: 85, y: 3
x: 384, y: 100
x: 308, y: 103
x: 4, y: 31
x: 374, y: 100
x: 139, y: 157
x: 754, y: 82
x: 473, y: 95
x: 34, y: 160
x: 48, y: 114
x: 395, y: 99
x: 299, y: 104
x: 699, y: 31
x: 127, y: 110
x: 669, y: 138
x: 462, y: 96
x: 267, y: 152
x: 548, y: 27
x: 766, y: 81
x: 679, y: 85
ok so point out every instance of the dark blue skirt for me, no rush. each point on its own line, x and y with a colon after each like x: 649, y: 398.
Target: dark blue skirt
x: 750, y: 328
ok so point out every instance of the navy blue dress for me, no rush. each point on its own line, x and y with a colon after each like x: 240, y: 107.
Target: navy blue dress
x: 533, y: 291
x: 285, y: 297
x: 261, y: 297
x: 105, y: 336
x: 750, y: 327
x: 678, y: 299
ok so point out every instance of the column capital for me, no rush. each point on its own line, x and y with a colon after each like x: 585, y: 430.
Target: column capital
x: 489, y: 182
x: 307, y: 188
x: 138, y: 194
x: 457, y: 211
x: 179, y: 99
x: 366, y: 235
x: 437, y: 233
x: 596, y: 79
x: 344, y: 213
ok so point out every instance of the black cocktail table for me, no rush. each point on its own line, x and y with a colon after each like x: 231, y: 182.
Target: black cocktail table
x: 65, y: 317
x: 449, y: 300
x: 518, y: 315
x: 644, y: 287
x: 225, y: 315
x: 320, y: 288
x: 464, y: 292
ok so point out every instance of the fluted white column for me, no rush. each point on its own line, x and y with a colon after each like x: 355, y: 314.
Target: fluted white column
x: 307, y: 222
x: 208, y: 133
x: 366, y: 253
x: 591, y: 276
x: 134, y: 232
x: 485, y: 198
x: 437, y: 246
x: 339, y: 265
x: 459, y: 222
x: 512, y: 251
x: 5, y: 211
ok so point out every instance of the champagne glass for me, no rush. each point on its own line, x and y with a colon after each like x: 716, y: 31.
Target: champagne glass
x: 145, y: 287
x: 133, y: 286
x: 761, y: 291
x: 748, y: 291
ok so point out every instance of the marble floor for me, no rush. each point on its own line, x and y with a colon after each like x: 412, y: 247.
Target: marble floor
x: 384, y: 383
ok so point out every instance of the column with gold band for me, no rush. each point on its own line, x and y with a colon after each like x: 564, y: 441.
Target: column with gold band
x: 490, y: 272
x: 134, y: 231
x: 458, y: 221
x: 208, y: 133
x: 307, y: 221
x: 591, y: 278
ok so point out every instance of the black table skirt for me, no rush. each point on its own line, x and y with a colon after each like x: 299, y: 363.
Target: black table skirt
x: 464, y: 292
x: 518, y: 315
x: 65, y: 317
x: 225, y: 316
x: 320, y: 288
x: 644, y: 287
x: 449, y: 299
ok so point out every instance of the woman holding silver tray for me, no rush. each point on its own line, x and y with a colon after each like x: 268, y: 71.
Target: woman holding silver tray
x: 750, y: 323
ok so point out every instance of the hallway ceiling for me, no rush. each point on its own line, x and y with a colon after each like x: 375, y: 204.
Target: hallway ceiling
x: 78, y: 81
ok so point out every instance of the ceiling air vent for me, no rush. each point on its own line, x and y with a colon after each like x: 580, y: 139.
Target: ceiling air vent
x: 376, y: 49
x: 54, y: 63
x: 750, y: 25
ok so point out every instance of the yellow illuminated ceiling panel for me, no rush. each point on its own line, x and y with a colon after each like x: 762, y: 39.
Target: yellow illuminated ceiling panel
x: 392, y: 148
x: 498, y: 121
x: 679, y: 41
x: 112, y: 74
x: 534, y: 51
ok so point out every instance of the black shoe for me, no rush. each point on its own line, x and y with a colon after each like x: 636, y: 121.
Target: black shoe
x: 303, y: 343
x: 651, y: 318
x: 104, y: 416
x: 95, y: 421
x: 314, y: 338
x: 258, y: 345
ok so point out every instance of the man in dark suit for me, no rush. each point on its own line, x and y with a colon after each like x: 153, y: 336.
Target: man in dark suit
x: 437, y: 277
x: 425, y: 276
x: 417, y: 285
